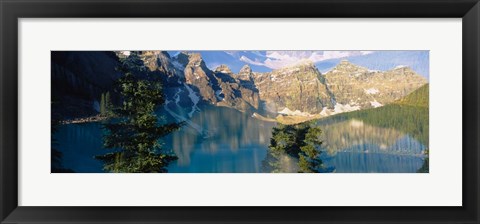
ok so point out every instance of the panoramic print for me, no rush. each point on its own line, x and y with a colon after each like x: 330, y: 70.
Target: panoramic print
x: 218, y: 111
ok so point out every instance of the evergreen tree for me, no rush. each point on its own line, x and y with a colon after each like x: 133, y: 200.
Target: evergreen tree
x: 102, y: 105
x: 108, y: 105
x: 282, y: 140
x: 134, y: 134
x: 301, y: 141
x: 309, y: 161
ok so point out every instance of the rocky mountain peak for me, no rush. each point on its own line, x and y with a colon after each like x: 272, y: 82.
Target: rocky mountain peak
x: 347, y: 67
x: 190, y: 58
x: 223, y: 69
x: 402, y: 70
x: 294, y: 68
x: 245, y: 73
x: 245, y: 70
x: 305, y: 62
x: 195, y: 59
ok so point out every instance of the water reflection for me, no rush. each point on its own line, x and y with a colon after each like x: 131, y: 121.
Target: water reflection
x: 354, y: 135
x: 388, y: 139
x: 79, y: 144
x: 220, y: 139
x: 355, y: 162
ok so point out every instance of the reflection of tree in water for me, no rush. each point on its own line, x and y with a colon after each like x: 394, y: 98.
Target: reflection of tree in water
x: 426, y: 164
x: 135, y: 132
x: 409, y: 119
x: 404, y: 118
x: 346, y: 134
x: 294, y: 148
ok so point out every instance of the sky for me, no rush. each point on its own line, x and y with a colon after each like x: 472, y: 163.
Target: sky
x: 264, y: 61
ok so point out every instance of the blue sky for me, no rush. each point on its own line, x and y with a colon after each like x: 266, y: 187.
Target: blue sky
x: 264, y: 61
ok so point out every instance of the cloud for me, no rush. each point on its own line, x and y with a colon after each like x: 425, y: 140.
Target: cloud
x: 279, y: 59
x: 250, y: 61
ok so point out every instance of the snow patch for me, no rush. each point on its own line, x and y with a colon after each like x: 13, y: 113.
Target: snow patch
x: 371, y: 91
x: 217, y: 93
x: 375, y: 104
x: 177, y: 97
x: 273, y: 78
x: 357, y: 74
x: 325, y: 112
x: 400, y: 66
x: 195, y: 99
x: 287, y: 111
x: 340, y: 108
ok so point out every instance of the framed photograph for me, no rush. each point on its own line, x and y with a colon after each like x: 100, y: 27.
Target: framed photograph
x: 239, y: 112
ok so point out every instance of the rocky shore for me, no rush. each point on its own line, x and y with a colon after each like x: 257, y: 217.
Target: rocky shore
x: 95, y: 118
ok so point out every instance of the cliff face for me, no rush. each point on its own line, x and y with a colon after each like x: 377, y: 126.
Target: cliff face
x: 236, y: 91
x: 299, y: 87
x: 79, y: 78
x: 198, y: 75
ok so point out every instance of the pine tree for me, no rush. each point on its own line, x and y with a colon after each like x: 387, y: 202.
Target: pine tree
x: 102, y: 105
x: 301, y: 141
x: 309, y: 161
x: 134, y: 135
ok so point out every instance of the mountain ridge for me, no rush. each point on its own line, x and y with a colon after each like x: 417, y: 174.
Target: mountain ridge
x: 296, y: 90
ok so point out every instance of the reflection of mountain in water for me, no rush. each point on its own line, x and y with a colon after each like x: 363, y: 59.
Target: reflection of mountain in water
x: 220, y: 139
x: 354, y: 135
x: 391, y: 138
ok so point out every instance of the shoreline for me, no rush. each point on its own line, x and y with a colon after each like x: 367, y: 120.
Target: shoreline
x: 82, y: 120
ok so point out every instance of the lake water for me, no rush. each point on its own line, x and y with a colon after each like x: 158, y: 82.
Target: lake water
x: 219, y: 139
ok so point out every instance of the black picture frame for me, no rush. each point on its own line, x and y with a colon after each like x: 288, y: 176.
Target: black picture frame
x: 12, y: 10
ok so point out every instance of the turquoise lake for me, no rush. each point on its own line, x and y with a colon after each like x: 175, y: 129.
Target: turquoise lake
x: 223, y: 140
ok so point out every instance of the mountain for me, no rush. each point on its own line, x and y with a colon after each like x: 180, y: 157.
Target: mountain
x: 237, y: 90
x: 300, y: 90
x: 78, y: 80
x: 358, y: 87
x: 416, y: 60
x: 235, y: 60
x: 266, y: 61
